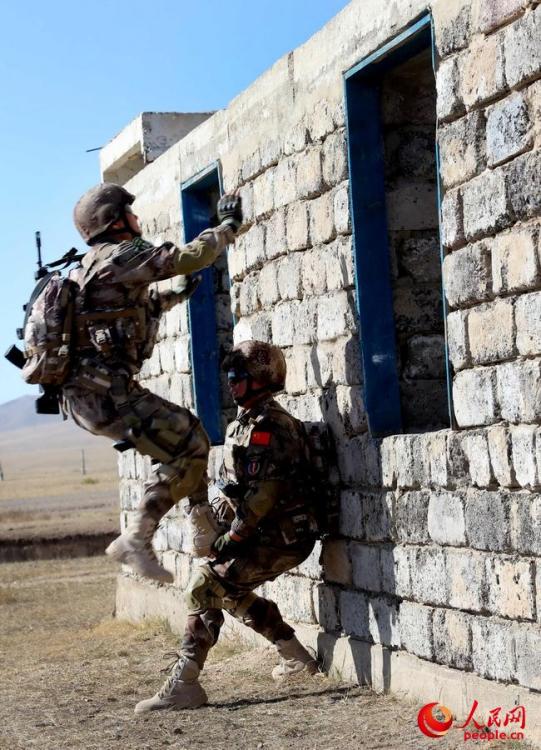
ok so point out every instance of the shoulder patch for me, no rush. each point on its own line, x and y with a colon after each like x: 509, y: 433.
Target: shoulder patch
x: 128, y: 251
x: 259, y: 437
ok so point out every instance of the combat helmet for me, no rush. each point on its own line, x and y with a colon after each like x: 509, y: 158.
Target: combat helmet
x: 99, y: 208
x: 264, y: 362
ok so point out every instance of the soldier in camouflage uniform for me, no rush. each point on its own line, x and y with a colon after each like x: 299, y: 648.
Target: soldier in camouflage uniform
x: 116, y: 321
x: 265, y: 506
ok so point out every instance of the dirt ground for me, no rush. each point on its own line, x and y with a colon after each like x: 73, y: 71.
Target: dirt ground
x: 71, y: 674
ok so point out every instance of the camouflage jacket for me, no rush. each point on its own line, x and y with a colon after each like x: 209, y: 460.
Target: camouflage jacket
x: 116, y: 313
x: 264, y: 475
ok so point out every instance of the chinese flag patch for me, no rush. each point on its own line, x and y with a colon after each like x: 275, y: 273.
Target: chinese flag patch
x: 260, y: 438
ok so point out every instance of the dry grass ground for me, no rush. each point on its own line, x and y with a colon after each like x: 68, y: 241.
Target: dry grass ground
x: 71, y: 675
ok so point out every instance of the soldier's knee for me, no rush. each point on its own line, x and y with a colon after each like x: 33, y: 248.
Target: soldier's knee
x: 204, y: 591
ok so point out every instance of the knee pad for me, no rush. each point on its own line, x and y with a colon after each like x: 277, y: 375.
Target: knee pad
x: 204, y: 592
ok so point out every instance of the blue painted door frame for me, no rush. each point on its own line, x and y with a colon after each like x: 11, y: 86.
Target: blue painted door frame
x: 374, y: 293
x: 204, y: 348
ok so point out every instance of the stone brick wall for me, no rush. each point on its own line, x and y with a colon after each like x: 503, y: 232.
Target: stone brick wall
x: 439, y: 549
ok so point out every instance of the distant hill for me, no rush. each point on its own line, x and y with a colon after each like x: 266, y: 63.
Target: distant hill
x: 21, y: 413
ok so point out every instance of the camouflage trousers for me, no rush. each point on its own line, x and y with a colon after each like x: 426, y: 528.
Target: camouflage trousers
x: 170, y: 434
x: 229, y: 586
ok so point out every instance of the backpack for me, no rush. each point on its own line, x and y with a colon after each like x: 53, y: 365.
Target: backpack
x: 322, y: 476
x: 48, y: 326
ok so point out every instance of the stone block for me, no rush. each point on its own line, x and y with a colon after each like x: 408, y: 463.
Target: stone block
x: 253, y: 242
x: 528, y: 317
x: 354, y: 614
x: 508, y: 129
x: 416, y: 629
x: 377, y: 516
x: 296, y: 138
x: 325, y: 604
x: 365, y: 561
x: 264, y: 193
x: 483, y: 75
x: 499, y: 445
x: 522, y: 185
x: 487, y: 520
x: 522, y: 49
x: 526, y: 523
x: 314, y: 276
x: 457, y: 339
x: 412, y: 469
x: 458, y: 469
x: 346, y: 361
x: 452, y: 21
x: 322, y: 219
x: 466, y: 275
x: 446, y: 523
x: 251, y: 165
x: 248, y: 297
x: 462, y: 149
x: 449, y: 102
x: 395, y: 570
x: 411, y: 517
x: 167, y: 356
x: 523, y: 445
x: 436, y: 456
x: 491, y: 332
x: 476, y: 449
x: 338, y: 264
x: 467, y: 587
x: 344, y: 410
x: 486, y: 207
x: 335, y: 158
x: 268, y: 285
x: 305, y: 321
x: 491, y: 14
x: 297, y: 226
x: 528, y: 654
x: 289, y: 277
x: 335, y: 316
x: 452, y: 219
x: 412, y: 207
x: 282, y: 324
x: 296, y: 371
x: 319, y: 365
x: 383, y: 622
x: 293, y: 595
x: 519, y: 394
x: 429, y: 581
x: 285, y: 190
x: 493, y: 648
x: 351, y: 521
x: 309, y: 173
x: 510, y: 585
x: 275, y: 235
x: 474, y: 397
x: 452, y: 638
x: 424, y: 358
x: 515, y: 263
x: 358, y: 461
x: 342, y: 219
x: 321, y: 120
x: 336, y: 561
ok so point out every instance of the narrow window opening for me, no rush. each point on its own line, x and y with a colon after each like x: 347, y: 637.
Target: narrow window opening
x: 209, y: 310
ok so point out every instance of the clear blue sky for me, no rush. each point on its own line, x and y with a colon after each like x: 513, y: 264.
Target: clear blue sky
x: 72, y: 75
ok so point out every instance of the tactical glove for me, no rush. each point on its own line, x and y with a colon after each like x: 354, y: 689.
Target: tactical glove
x: 229, y: 211
x: 225, y: 548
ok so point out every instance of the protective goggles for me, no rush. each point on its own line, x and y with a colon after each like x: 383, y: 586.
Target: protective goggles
x: 236, y: 376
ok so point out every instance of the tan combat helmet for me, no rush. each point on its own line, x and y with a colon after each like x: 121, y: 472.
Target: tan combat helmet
x: 99, y: 208
x: 264, y: 362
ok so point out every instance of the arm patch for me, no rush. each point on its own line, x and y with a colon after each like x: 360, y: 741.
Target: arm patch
x: 259, y: 437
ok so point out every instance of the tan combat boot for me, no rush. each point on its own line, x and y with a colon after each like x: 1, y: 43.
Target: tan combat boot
x: 295, y: 659
x: 203, y: 527
x: 182, y: 689
x: 134, y: 548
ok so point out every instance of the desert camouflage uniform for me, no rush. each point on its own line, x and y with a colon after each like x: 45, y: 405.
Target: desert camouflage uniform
x: 264, y: 502
x: 117, y: 319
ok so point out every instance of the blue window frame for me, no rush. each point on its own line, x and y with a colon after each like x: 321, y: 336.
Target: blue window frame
x: 198, y: 196
x: 369, y: 223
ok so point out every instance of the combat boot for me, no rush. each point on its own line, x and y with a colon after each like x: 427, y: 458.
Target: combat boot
x: 134, y: 548
x: 203, y: 526
x: 295, y: 659
x: 181, y: 690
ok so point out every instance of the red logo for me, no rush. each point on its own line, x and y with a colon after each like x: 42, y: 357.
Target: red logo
x: 434, y: 720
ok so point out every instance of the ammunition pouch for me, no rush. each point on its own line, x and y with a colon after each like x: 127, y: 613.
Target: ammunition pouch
x: 107, y: 331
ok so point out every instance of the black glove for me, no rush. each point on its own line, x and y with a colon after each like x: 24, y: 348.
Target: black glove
x: 225, y: 548
x: 229, y: 211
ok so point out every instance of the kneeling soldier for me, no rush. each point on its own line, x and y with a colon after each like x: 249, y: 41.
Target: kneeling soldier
x: 266, y: 506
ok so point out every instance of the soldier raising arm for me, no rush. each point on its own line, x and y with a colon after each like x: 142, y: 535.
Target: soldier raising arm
x: 116, y: 321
